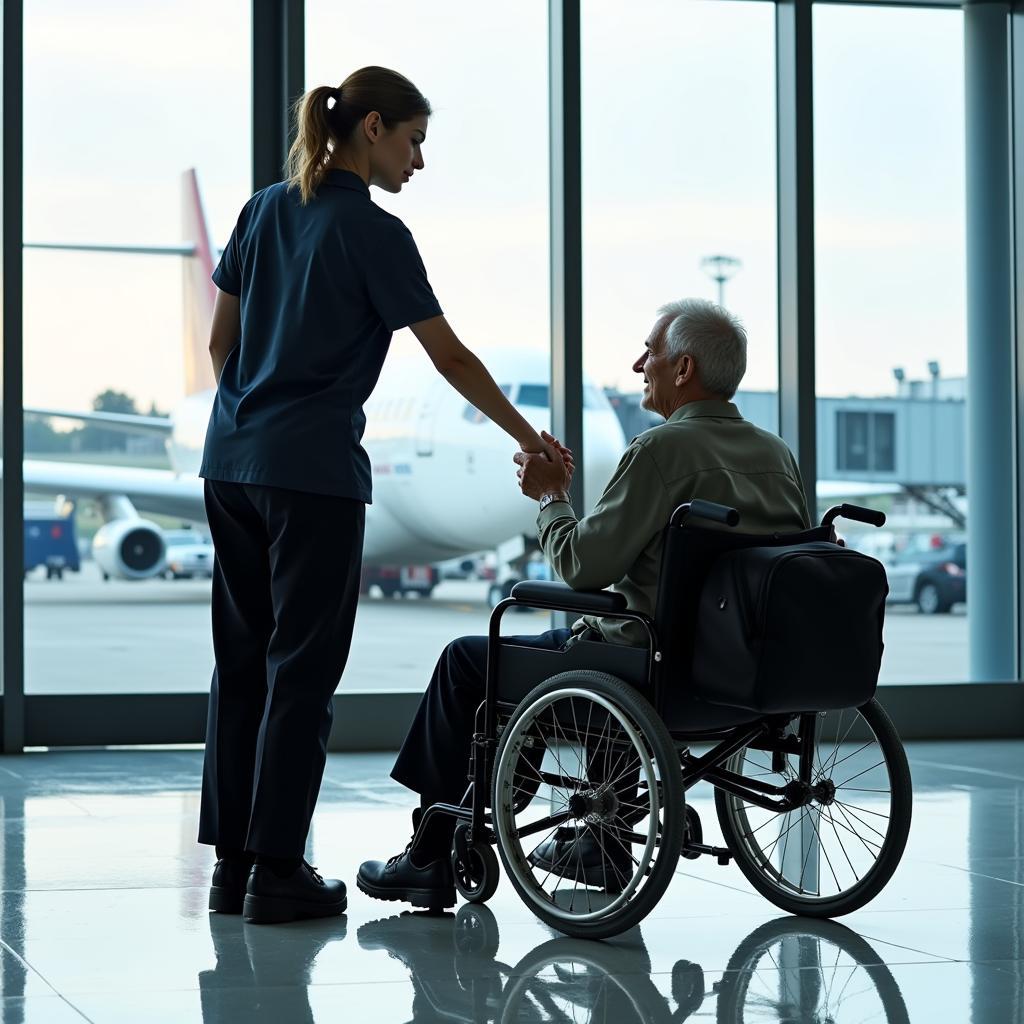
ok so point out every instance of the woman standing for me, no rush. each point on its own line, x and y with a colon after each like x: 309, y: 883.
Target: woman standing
x: 313, y: 282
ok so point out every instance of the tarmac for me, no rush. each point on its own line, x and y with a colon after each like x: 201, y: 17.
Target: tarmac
x: 84, y: 635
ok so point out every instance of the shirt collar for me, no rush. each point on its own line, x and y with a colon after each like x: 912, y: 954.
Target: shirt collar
x: 711, y: 407
x: 346, y: 179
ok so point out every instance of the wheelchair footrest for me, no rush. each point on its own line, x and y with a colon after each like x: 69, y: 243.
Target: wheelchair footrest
x: 721, y: 853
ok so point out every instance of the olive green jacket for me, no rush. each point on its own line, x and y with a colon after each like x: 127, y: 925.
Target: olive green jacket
x: 704, y: 450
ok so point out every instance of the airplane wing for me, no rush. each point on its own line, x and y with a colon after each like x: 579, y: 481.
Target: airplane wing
x: 156, y: 491
x: 121, y: 422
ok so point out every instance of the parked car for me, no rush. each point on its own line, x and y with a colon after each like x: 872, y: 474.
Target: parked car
x: 189, y: 554
x: 934, y: 580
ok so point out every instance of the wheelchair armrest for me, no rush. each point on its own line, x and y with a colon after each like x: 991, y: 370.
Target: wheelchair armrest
x: 555, y: 595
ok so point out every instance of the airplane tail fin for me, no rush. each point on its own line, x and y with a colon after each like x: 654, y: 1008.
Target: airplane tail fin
x: 199, y: 290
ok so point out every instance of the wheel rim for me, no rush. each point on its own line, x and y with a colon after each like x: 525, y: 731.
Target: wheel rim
x: 616, y: 748
x: 929, y: 599
x: 471, y: 875
x: 824, y: 850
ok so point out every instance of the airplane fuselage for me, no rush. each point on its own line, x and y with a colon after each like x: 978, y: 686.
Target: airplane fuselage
x: 443, y: 478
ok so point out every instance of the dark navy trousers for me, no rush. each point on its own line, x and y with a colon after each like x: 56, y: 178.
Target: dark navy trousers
x: 434, y: 759
x: 285, y: 591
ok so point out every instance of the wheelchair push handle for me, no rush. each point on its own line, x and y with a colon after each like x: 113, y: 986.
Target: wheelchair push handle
x: 856, y: 512
x: 701, y: 509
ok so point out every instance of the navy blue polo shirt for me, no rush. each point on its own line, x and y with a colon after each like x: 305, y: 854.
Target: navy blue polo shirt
x: 322, y: 288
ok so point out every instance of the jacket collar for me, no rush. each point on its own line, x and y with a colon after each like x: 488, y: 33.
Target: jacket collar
x: 709, y: 408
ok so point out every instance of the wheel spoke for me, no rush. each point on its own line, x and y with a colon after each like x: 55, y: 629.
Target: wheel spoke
x: 842, y: 847
x: 859, y: 774
x: 864, y: 842
x: 856, y: 817
x: 864, y: 746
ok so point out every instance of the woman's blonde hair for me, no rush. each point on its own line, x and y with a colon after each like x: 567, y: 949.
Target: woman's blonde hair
x: 326, y: 116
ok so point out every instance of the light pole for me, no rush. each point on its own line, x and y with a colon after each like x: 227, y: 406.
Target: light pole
x: 720, y: 269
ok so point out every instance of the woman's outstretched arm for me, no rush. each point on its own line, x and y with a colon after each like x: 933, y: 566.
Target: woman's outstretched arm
x: 470, y: 378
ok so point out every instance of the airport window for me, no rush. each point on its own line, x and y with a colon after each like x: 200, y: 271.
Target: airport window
x: 444, y: 481
x: 138, y: 150
x: 864, y: 441
x: 890, y: 229
x: 699, y: 220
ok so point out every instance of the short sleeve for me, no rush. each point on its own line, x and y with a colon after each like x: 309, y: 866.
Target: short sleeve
x: 396, y: 279
x: 228, y: 274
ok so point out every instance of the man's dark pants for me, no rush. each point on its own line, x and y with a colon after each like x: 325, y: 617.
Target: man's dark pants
x: 434, y: 759
x: 285, y: 591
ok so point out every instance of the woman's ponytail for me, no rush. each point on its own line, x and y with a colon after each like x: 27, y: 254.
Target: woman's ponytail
x: 326, y: 116
x: 312, y: 146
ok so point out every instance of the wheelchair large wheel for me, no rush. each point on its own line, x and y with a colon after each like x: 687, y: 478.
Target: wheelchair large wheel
x: 836, y: 853
x: 609, y: 785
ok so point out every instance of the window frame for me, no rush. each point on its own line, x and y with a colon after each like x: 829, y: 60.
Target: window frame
x: 366, y: 721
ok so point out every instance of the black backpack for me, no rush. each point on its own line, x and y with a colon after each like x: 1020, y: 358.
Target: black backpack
x: 789, y: 628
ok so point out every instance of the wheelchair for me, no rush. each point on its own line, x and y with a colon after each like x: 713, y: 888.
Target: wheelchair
x: 599, y: 743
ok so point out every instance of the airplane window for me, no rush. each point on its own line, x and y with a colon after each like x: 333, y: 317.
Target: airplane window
x: 533, y: 395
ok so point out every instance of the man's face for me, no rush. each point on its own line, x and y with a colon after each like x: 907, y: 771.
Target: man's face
x: 658, y: 373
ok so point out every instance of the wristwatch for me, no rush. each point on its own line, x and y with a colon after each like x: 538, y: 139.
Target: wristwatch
x: 550, y: 498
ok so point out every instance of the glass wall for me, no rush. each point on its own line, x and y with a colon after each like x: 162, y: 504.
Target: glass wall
x: 679, y: 189
x: 445, y: 492
x: 137, y: 134
x: 891, y: 322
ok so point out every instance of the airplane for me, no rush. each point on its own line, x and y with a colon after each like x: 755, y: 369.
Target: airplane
x: 443, y: 477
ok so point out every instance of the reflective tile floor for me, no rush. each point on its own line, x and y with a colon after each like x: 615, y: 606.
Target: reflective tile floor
x: 104, y: 917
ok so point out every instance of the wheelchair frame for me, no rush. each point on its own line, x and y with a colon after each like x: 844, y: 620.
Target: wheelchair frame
x: 766, y: 733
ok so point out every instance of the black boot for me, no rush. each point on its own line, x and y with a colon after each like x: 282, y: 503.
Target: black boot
x: 227, y: 891
x: 273, y: 899
x: 577, y: 854
x: 426, y: 882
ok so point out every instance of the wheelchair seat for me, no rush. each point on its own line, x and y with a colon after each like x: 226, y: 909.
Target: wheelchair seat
x: 522, y: 667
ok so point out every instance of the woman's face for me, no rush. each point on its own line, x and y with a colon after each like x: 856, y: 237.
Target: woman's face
x: 397, y: 154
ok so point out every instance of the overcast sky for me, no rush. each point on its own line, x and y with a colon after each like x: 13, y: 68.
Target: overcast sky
x: 679, y: 163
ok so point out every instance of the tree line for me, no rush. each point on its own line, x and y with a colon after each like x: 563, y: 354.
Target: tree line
x: 42, y: 438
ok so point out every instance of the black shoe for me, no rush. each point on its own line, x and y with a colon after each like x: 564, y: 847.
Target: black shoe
x: 230, y: 875
x: 431, y: 886
x: 579, y: 855
x: 302, y: 894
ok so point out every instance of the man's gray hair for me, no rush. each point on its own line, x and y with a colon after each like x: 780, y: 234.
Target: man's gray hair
x: 713, y: 336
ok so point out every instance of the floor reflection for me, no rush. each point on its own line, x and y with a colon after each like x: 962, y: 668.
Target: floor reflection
x: 793, y: 970
x: 103, y: 917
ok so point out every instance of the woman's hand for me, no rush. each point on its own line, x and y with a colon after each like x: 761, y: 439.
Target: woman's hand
x: 565, y: 453
x: 541, y: 444
x: 539, y: 475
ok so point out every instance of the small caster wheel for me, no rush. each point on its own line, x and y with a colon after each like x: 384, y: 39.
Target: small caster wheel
x: 476, y: 932
x: 475, y: 867
x: 694, y: 833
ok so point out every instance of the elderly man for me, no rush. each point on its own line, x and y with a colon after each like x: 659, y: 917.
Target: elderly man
x: 692, y: 364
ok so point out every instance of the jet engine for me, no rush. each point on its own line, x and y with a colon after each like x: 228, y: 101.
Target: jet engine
x: 129, y: 549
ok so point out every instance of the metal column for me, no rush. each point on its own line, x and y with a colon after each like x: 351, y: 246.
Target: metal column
x: 795, y: 154
x: 278, y: 80
x: 991, y: 520
x: 566, y: 235
x: 12, y: 608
